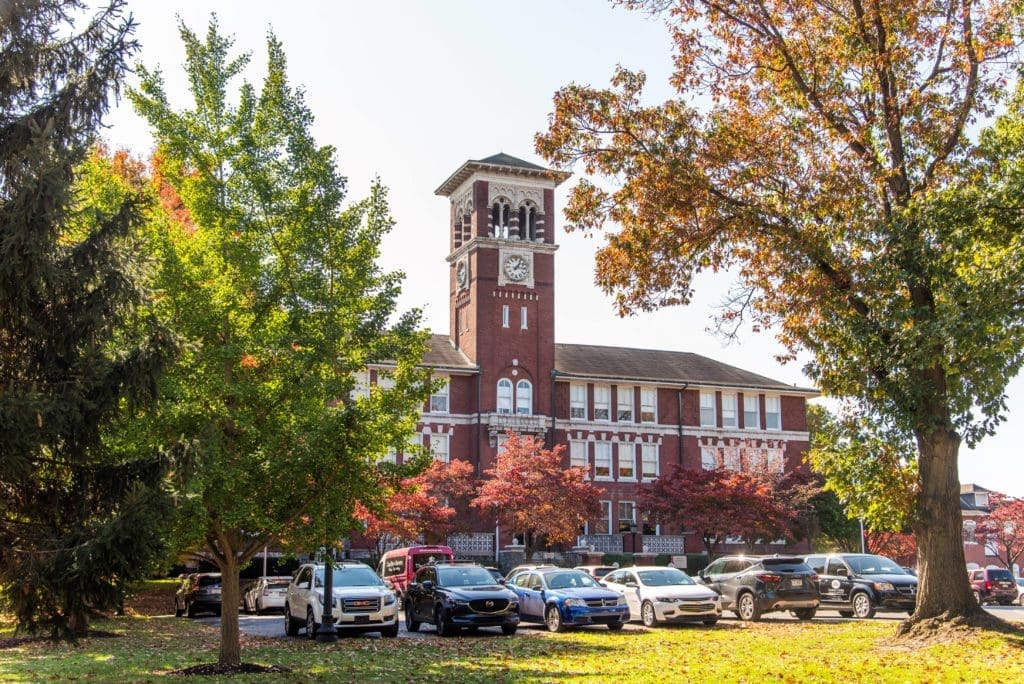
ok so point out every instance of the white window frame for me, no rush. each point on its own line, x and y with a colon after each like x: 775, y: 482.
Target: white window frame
x: 361, y: 386
x: 627, y: 455
x: 772, y: 418
x: 603, y: 403
x: 439, y: 447
x: 708, y: 458
x: 606, y: 509
x: 731, y: 458
x: 729, y: 410
x: 629, y: 506
x: 749, y: 424
x: 649, y: 454
x: 503, y: 400
x: 624, y: 409
x: 578, y: 457
x: 603, y: 460
x: 504, y: 316
x: 577, y: 401
x: 648, y: 405
x: 413, y: 443
x: 439, y: 398
x: 708, y: 410
x: 524, y: 398
x: 523, y: 318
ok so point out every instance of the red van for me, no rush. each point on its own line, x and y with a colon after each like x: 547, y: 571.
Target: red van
x: 399, y: 566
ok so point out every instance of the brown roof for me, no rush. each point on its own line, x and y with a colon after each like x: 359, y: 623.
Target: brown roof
x: 627, y: 364
x: 502, y: 163
x: 657, y: 365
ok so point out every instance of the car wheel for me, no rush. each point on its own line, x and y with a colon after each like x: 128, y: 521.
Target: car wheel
x: 411, y: 624
x: 711, y: 622
x: 747, y: 608
x: 444, y: 628
x: 190, y: 610
x: 805, y: 613
x: 845, y: 613
x: 615, y: 626
x: 647, y: 614
x: 508, y: 630
x: 862, y: 606
x: 178, y: 610
x: 311, y: 625
x: 553, y: 619
x: 290, y: 628
x: 390, y: 632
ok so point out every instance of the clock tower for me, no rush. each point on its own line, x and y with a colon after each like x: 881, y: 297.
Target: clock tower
x: 502, y: 273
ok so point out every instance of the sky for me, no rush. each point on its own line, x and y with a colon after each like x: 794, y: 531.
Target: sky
x: 409, y: 90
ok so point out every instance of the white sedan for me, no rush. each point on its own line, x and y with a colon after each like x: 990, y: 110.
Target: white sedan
x: 656, y: 594
x: 266, y: 593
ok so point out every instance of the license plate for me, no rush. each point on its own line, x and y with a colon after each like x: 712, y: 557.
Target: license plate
x: 362, y: 618
x: 796, y: 583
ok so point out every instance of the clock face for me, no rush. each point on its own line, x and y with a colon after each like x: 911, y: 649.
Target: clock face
x: 461, y: 274
x: 516, y: 267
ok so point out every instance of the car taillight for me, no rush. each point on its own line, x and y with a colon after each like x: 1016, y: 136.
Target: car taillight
x: 813, y: 578
x: 266, y: 591
x: 988, y: 585
x: 769, y: 578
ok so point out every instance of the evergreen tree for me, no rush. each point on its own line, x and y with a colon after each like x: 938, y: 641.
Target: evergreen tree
x: 78, y: 518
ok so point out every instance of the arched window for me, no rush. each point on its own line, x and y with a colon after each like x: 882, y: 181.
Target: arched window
x: 504, y: 396
x: 531, y: 224
x: 524, y: 398
x: 500, y: 214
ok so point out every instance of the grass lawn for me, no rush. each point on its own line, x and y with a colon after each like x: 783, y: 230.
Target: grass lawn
x: 145, y: 649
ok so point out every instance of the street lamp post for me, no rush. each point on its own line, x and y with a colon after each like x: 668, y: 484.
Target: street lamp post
x: 327, y: 632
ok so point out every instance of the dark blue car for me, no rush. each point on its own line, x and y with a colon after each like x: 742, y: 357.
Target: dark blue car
x: 560, y: 597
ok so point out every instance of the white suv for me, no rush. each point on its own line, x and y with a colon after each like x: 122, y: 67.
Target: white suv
x: 362, y: 602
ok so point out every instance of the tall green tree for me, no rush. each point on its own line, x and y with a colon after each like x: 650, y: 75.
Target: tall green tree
x: 78, y: 516
x: 274, y: 288
x: 822, y: 151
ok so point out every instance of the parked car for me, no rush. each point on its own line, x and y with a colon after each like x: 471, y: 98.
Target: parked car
x: 754, y: 585
x: 658, y: 594
x: 1020, y: 591
x: 858, y: 584
x: 398, y: 566
x: 451, y: 596
x: 993, y: 585
x: 596, y: 571
x: 198, y: 593
x: 495, y: 573
x: 362, y: 602
x: 560, y: 598
x: 527, y: 566
x: 266, y: 593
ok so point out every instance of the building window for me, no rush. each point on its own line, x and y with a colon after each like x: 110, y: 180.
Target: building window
x: 504, y: 396
x: 603, y: 525
x: 729, y: 411
x: 627, y: 461
x: 439, y: 447
x: 772, y: 414
x: 707, y: 409
x: 774, y: 461
x: 390, y: 457
x: 648, y: 405
x: 649, y: 528
x: 627, y: 515
x: 624, y: 401
x: 751, y: 412
x: 361, y: 386
x: 504, y: 316
x: 731, y: 458
x: 528, y: 222
x: 970, y: 536
x: 602, y: 460
x: 413, y: 447
x: 500, y: 218
x: 708, y: 458
x: 578, y: 454
x: 602, y: 402
x: 524, y: 398
x: 523, y: 318
x: 649, y: 461
x: 577, y: 402
x: 439, y: 399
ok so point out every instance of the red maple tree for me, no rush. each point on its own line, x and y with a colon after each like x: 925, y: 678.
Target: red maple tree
x: 422, y: 507
x: 1003, y: 528
x: 899, y: 546
x: 532, y: 492
x: 719, y: 503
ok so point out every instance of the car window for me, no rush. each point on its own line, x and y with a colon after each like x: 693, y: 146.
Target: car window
x: 572, y: 579
x: 664, y: 577
x: 534, y: 582
x: 1000, y: 574
x: 351, y: 577
x: 715, y: 568
x: 874, y: 565
x: 521, y: 579
x: 975, y: 575
x: 735, y: 565
x: 303, y: 579
x: 614, y: 577
x: 629, y: 579
x: 834, y: 567
x: 209, y: 581
x: 817, y: 564
x: 464, y: 576
x: 785, y: 565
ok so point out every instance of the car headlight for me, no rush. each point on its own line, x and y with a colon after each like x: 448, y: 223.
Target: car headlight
x: 577, y: 602
x: 621, y: 601
x: 513, y: 604
x: 665, y: 599
x: 460, y: 602
x: 389, y: 599
x: 884, y: 586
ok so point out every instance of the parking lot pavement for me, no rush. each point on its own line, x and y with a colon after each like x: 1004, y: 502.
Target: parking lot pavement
x: 272, y: 625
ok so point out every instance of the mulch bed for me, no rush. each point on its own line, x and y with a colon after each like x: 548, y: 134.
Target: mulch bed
x: 213, y: 669
x: 948, y: 629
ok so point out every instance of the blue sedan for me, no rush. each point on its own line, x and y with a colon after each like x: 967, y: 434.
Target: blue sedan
x: 560, y: 598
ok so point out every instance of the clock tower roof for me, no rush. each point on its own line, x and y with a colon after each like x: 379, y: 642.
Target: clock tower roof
x: 501, y: 163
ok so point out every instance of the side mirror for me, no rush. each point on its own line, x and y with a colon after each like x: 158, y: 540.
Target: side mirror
x: 427, y: 585
x: 502, y: 581
x: 700, y: 579
x: 602, y: 584
x: 842, y: 571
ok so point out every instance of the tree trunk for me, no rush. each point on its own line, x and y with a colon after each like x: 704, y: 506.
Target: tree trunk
x: 230, y: 646
x: 528, y: 543
x: 941, y: 567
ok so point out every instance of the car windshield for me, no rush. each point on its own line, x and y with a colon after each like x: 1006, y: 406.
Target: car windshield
x: 785, y: 565
x: 468, y: 576
x: 209, y: 581
x: 277, y: 583
x: 350, y: 577
x: 570, y: 579
x: 664, y: 578
x: 874, y: 565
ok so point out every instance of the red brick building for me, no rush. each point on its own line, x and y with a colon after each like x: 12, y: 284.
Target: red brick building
x: 630, y: 414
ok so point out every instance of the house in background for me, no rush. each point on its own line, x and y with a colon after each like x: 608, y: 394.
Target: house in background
x: 974, y: 506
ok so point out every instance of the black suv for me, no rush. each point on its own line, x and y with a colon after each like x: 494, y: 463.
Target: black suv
x: 858, y: 584
x: 199, y: 592
x: 455, y: 595
x: 753, y: 585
